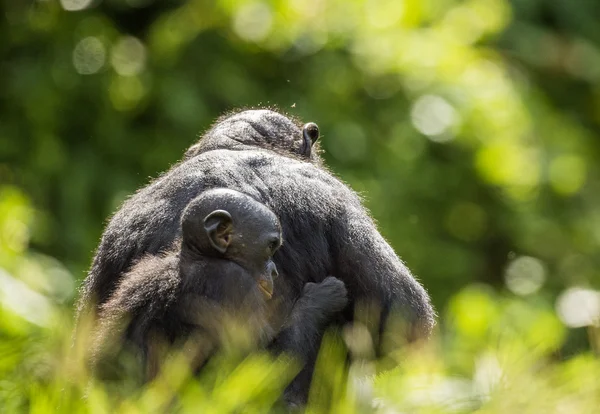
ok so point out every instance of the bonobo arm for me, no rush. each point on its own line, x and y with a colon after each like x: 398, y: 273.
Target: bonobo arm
x: 372, y: 271
x: 325, y: 220
x: 301, y: 334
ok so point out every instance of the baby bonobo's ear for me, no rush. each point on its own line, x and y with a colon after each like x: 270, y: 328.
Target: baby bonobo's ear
x: 219, y: 227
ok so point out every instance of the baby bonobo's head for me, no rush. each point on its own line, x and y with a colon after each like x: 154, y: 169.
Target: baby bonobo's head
x: 230, y: 225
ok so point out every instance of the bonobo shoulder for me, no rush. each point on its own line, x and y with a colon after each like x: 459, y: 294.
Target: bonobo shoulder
x: 268, y: 176
x: 252, y: 162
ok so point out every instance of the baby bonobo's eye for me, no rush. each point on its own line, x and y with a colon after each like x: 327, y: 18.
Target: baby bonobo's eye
x: 273, y: 246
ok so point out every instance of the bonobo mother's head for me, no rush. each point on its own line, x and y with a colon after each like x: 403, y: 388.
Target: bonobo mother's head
x: 261, y: 128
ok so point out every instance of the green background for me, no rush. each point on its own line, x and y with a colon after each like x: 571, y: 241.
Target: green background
x: 469, y: 127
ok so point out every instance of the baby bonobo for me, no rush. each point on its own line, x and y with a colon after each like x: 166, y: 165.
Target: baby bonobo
x: 221, y: 270
x: 229, y: 237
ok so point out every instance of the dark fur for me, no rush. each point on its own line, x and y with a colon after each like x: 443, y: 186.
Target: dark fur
x: 186, y: 298
x: 157, y: 308
x: 327, y: 230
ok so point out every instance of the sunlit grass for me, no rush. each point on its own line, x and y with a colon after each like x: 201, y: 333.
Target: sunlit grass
x: 491, y: 354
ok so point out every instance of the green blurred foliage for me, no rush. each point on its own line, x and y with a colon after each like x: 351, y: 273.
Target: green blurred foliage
x: 470, y: 128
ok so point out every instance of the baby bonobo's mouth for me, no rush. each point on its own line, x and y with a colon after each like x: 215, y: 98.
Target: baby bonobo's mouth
x: 266, y: 288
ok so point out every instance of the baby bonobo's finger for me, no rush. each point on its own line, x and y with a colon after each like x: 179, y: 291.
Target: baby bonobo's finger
x: 330, y: 294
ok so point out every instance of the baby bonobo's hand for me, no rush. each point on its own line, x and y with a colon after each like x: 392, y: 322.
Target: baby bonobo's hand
x: 329, y: 295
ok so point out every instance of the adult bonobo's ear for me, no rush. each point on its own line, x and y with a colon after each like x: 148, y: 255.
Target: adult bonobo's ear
x: 310, y: 135
x: 311, y: 131
x: 219, y: 227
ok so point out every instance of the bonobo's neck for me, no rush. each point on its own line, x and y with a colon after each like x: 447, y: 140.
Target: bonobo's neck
x: 231, y: 144
x: 197, y: 270
x: 217, y: 279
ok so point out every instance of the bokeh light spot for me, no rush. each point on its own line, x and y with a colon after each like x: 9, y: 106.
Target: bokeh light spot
x: 383, y: 14
x: 310, y: 43
x: 307, y: 8
x: 464, y: 24
x: 128, y: 56
x: 433, y: 116
x: 525, y: 275
x: 47, y: 276
x: 15, y: 220
x: 15, y: 235
x: 583, y: 60
x: 473, y: 310
x: 25, y: 302
x: 126, y: 92
x: 509, y: 164
x: 567, y: 174
x: 577, y: 307
x: 547, y: 333
x: 253, y: 21
x: 75, y: 5
x: 89, y: 56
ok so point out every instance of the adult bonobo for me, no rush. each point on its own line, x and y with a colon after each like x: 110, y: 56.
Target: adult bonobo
x: 268, y: 157
x: 220, y: 271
